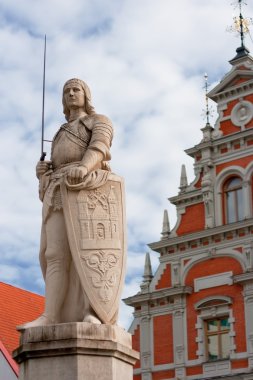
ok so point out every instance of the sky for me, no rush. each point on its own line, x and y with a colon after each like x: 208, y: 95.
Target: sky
x: 144, y: 61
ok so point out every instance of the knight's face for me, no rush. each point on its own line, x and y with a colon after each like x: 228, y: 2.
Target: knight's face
x: 74, y: 96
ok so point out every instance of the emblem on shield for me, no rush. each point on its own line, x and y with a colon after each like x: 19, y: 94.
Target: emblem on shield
x: 95, y: 221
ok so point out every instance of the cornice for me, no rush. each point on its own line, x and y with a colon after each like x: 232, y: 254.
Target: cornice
x: 230, y: 76
x: 219, y: 141
x: 192, y: 196
x: 140, y: 298
x: 236, y: 90
x: 232, y: 228
x: 243, y: 278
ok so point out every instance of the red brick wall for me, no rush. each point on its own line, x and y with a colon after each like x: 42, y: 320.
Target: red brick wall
x: 192, y: 220
x: 242, y: 162
x: 161, y: 375
x: 196, y: 370
x: 241, y: 363
x: 228, y: 128
x: 207, y: 268
x: 230, y: 106
x: 165, y: 280
x: 163, y: 339
x: 136, y: 344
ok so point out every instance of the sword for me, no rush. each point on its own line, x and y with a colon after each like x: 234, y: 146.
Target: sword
x: 43, y: 154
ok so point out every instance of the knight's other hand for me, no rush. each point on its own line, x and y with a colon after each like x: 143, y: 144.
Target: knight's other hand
x: 76, y: 175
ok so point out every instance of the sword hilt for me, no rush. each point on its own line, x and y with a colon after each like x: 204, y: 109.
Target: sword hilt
x: 42, y: 157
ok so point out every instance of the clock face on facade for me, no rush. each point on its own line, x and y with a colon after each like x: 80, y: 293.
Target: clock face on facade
x: 242, y: 113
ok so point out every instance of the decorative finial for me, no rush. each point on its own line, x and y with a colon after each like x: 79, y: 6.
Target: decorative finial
x: 207, y: 112
x: 166, y: 225
x: 148, y: 275
x: 241, y: 28
x: 183, y: 179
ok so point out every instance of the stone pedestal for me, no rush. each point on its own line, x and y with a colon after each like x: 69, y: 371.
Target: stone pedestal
x: 73, y: 351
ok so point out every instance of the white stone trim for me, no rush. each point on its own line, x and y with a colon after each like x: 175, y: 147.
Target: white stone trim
x: 213, y: 312
x: 162, y: 367
x: 179, y: 336
x: 217, y: 368
x: 223, y: 299
x: 145, y: 346
x: 245, y: 119
x: 152, y: 342
x: 134, y: 324
x: 180, y: 212
x: 157, y: 276
x: 212, y: 281
x: 218, y: 190
x: 249, y: 171
x: 248, y: 302
x: 225, y: 252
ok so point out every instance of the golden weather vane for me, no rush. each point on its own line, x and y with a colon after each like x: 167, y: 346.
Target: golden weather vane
x: 241, y: 24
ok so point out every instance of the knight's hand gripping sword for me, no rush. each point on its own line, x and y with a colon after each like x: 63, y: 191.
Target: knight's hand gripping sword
x: 43, y: 154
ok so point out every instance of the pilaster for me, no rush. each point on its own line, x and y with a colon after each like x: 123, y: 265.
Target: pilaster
x: 146, y: 347
x: 179, y: 338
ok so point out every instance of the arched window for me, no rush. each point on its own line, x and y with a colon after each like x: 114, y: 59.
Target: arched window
x: 233, y: 200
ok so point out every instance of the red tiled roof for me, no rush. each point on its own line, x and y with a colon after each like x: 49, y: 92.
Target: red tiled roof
x: 16, y: 307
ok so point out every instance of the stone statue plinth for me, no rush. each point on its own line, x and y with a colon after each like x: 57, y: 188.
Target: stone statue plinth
x: 79, y: 350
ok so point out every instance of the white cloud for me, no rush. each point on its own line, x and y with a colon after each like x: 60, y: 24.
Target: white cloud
x: 144, y: 62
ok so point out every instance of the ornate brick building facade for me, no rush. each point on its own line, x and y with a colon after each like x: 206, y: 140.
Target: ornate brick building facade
x: 194, y: 318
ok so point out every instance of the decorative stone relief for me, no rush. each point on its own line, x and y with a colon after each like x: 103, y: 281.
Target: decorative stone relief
x: 180, y: 373
x: 145, y: 360
x: 207, y: 191
x: 242, y: 113
x: 104, y: 273
x: 175, y: 274
x: 94, y: 222
x: 179, y: 352
x: 248, y: 252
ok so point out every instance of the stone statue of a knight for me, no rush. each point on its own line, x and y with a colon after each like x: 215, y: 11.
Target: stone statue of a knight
x: 82, y: 250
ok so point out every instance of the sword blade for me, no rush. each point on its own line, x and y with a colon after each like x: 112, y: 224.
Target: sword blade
x: 43, y: 154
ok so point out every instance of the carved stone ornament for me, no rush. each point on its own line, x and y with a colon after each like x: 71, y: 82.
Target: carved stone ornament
x: 95, y: 221
x: 242, y: 113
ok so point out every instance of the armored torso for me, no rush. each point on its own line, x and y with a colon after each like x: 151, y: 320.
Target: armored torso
x: 70, y: 144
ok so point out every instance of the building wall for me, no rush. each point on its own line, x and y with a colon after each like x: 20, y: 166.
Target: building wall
x: 205, y: 276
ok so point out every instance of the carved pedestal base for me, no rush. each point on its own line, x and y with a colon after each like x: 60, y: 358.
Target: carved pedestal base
x: 73, y: 351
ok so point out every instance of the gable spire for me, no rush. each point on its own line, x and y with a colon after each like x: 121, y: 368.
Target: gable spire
x: 148, y: 275
x: 183, y: 179
x: 166, y: 225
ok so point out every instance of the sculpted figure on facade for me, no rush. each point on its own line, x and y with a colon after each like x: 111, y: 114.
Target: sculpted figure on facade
x: 82, y: 250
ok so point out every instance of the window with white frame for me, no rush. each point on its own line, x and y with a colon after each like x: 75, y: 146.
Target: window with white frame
x: 233, y: 200
x: 217, y: 340
x: 215, y: 328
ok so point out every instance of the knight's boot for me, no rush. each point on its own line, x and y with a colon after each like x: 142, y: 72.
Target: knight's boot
x: 92, y: 319
x: 43, y: 320
x: 89, y: 315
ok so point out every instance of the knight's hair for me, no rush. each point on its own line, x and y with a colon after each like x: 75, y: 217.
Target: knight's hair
x: 88, y: 107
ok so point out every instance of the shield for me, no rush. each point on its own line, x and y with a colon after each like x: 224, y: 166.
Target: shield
x: 95, y: 222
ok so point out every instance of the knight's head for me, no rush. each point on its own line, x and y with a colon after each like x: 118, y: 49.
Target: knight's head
x: 73, y: 85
